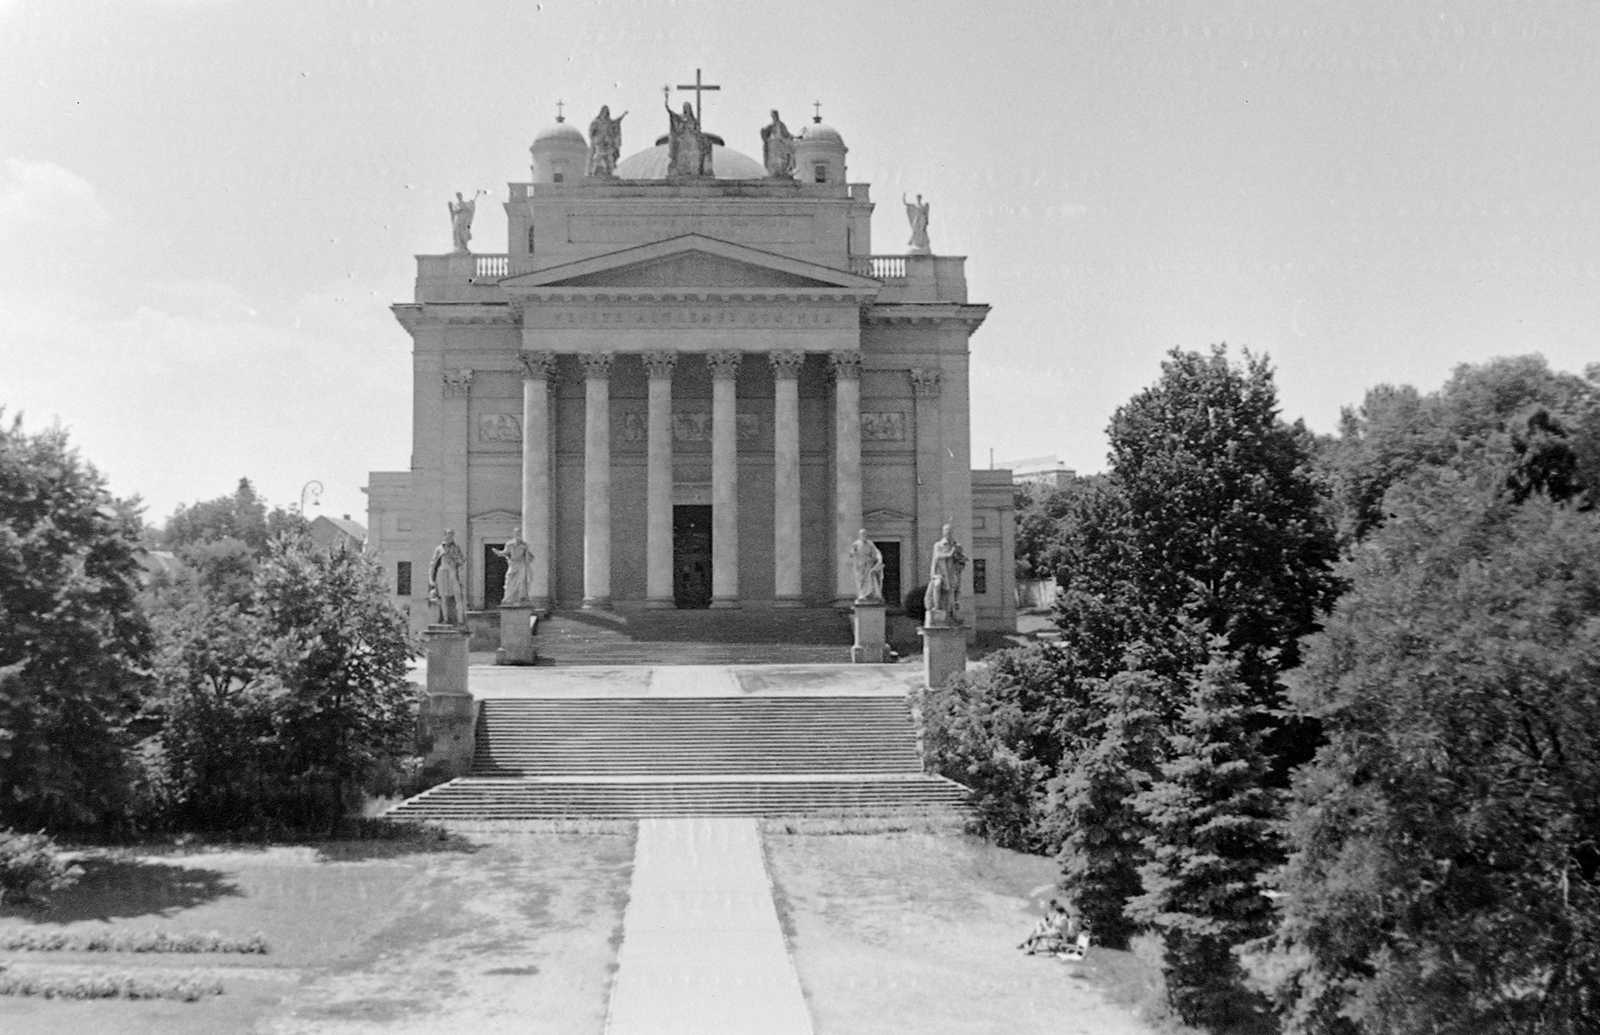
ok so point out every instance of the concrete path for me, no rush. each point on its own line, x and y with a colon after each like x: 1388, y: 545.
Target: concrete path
x: 702, y: 952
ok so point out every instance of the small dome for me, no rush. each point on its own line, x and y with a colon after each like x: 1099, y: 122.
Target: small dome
x: 562, y: 131
x: 821, y: 132
x: 726, y: 164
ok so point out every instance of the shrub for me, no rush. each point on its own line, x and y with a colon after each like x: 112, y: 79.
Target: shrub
x: 32, y: 868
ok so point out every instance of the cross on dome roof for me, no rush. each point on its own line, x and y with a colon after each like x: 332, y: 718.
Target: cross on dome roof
x: 698, y: 87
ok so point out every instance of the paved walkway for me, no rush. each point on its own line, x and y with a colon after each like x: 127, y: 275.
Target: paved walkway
x: 702, y: 952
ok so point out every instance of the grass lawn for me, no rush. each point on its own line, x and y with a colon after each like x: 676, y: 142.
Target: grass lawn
x: 489, y: 932
x: 917, y: 932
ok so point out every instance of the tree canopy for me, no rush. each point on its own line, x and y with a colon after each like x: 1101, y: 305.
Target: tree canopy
x: 73, y: 640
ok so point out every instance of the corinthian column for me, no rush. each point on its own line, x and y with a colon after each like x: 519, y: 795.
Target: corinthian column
x: 786, y: 476
x: 846, y: 469
x: 724, y: 478
x: 597, y: 479
x: 658, y: 480
x: 538, y: 373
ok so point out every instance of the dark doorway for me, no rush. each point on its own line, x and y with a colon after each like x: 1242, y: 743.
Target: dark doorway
x: 691, y: 555
x: 494, y: 575
x: 891, y: 572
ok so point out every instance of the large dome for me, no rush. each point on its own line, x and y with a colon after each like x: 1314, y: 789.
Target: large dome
x: 726, y: 163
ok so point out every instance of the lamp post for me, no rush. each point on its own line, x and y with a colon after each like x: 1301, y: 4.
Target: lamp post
x: 312, y: 488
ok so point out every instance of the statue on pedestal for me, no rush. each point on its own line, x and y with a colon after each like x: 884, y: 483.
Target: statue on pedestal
x: 461, y: 213
x: 867, y: 560
x: 777, y: 148
x: 688, y: 149
x: 519, y: 570
x: 942, y: 601
x: 445, y: 588
x: 917, y: 213
x: 605, y: 142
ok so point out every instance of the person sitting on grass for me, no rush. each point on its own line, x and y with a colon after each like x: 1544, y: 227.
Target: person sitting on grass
x: 1055, y: 932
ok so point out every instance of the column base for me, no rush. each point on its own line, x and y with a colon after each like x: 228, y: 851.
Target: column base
x: 596, y: 603
x: 659, y: 604
x: 789, y: 602
x: 726, y: 604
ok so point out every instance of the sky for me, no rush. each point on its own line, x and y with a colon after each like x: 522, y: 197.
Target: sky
x: 207, y: 206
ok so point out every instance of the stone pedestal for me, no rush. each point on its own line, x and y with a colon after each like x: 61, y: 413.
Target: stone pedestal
x: 516, y: 635
x: 871, y: 647
x: 448, y: 716
x: 944, y: 653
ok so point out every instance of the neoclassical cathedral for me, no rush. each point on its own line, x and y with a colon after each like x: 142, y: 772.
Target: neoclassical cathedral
x: 688, y: 382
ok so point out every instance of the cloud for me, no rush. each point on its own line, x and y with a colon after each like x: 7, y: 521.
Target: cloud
x: 44, y: 194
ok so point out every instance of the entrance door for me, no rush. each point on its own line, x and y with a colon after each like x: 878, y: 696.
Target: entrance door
x: 691, y: 555
x: 891, y: 573
x: 494, y: 575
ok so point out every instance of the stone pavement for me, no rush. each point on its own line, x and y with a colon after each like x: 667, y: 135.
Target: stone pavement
x: 488, y: 680
x: 702, y: 952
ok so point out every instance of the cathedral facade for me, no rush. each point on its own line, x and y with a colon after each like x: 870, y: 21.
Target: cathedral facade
x: 688, y: 382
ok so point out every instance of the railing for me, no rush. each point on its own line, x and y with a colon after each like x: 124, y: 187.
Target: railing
x: 880, y: 267
x: 492, y: 267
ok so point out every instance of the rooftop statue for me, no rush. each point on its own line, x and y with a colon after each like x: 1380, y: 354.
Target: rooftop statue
x: 461, y: 213
x: 943, y: 598
x: 917, y: 213
x: 688, y: 149
x: 605, y: 142
x: 777, y: 148
x: 444, y: 581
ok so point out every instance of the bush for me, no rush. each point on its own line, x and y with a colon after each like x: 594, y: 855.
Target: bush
x: 132, y: 941
x: 31, y: 868
x: 188, y: 988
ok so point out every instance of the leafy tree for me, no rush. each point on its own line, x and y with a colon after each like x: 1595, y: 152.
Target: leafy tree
x: 1225, y: 517
x: 1443, y: 866
x: 73, y: 642
x: 1003, y: 731
x: 279, y: 708
x: 1542, y: 424
x: 1209, y: 815
x: 222, y: 539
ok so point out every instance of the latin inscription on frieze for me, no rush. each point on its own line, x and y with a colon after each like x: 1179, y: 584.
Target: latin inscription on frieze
x: 681, y: 316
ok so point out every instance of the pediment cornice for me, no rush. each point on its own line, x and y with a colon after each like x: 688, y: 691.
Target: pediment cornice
x: 616, y: 266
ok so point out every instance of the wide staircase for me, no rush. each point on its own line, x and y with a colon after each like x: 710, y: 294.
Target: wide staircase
x: 795, y: 636
x: 622, y: 758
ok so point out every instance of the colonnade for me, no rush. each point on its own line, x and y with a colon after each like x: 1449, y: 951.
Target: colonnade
x: 538, y: 375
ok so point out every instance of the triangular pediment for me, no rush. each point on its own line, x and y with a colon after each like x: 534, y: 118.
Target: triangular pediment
x: 692, y: 262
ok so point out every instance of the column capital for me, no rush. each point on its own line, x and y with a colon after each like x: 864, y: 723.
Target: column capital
x: 786, y: 363
x: 926, y: 382
x: 660, y: 363
x: 596, y: 365
x: 457, y: 382
x: 538, y: 366
x: 724, y: 364
x: 846, y: 365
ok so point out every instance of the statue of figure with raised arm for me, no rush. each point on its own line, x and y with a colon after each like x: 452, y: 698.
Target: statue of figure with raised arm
x: 917, y: 213
x: 867, y: 560
x: 688, y: 149
x: 461, y: 213
x: 519, y: 569
x: 444, y: 581
x: 777, y: 148
x: 605, y: 142
x: 942, y: 601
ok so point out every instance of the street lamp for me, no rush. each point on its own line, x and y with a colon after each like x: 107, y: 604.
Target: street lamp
x: 314, y: 489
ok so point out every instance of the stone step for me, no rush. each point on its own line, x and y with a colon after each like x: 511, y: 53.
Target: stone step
x: 754, y: 636
x: 686, y: 736
x: 475, y: 798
